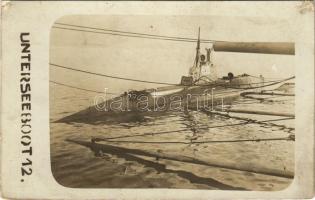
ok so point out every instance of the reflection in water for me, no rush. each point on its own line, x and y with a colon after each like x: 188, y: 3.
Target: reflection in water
x: 192, y: 134
x: 97, y: 149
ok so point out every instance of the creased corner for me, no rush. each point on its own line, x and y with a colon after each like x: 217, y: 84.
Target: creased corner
x: 5, y: 5
x: 305, y: 7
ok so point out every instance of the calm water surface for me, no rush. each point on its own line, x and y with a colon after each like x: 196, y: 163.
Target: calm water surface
x: 77, y: 166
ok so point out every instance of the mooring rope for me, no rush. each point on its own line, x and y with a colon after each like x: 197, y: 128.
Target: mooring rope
x: 174, y: 84
x: 189, y: 129
x: 288, y: 138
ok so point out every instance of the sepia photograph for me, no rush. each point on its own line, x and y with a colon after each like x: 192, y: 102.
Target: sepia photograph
x: 157, y: 100
x: 172, y: 101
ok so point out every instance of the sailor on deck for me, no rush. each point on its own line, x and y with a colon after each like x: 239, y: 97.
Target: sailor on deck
x: 204, y: 70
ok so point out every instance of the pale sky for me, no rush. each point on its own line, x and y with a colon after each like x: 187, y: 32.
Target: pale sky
x: 163, y: 61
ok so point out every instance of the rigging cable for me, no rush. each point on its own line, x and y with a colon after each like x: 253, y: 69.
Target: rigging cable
x: 110, y: 76
x: 165, y: 83
x: 125, y: 35
x: 88, y: 90
x: 128, y: 33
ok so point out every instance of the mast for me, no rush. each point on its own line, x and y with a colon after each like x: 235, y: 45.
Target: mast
x: 197, y: 49
x: 198, y: 53
x: 193, y: 70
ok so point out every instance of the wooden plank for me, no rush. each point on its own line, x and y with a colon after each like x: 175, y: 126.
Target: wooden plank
x: 105, y: 148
